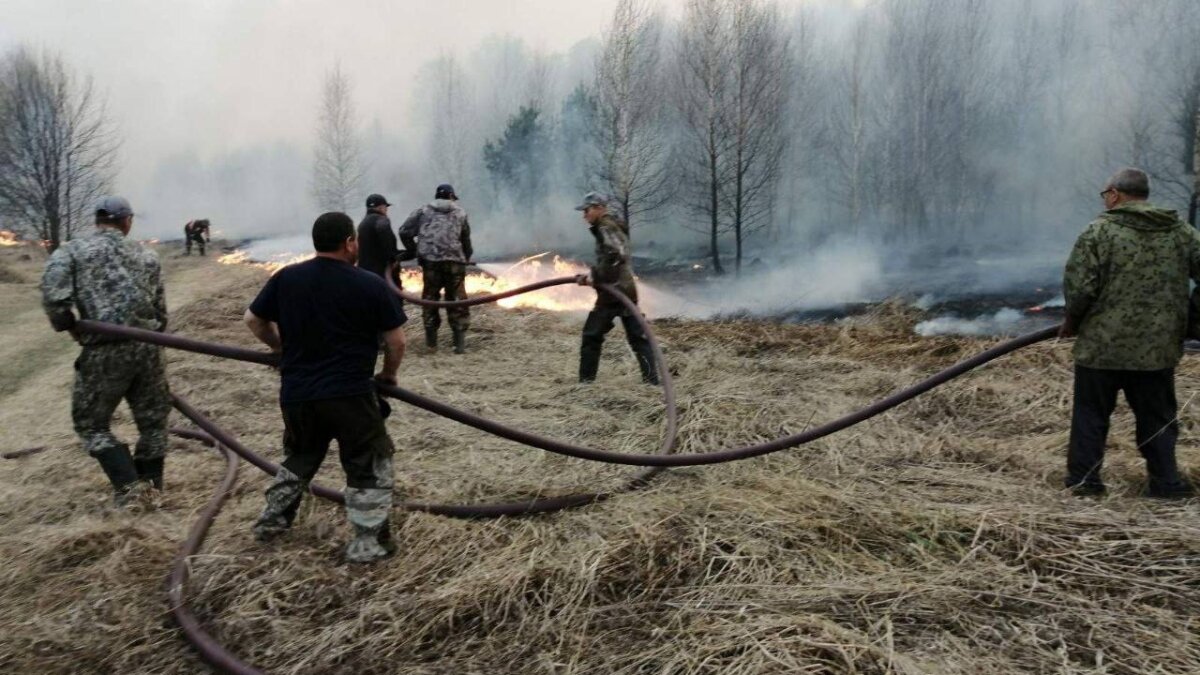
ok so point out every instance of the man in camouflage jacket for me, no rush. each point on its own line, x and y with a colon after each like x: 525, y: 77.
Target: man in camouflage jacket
x: 1126, y: 288
x: 439, y: 235
x: 108, y: 277
x: 612, y: 267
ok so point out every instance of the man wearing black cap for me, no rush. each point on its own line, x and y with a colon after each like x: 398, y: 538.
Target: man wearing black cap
x: 440, y: 237
x: 376, y: 241
x: 325, y: 316
x: 107, y: 276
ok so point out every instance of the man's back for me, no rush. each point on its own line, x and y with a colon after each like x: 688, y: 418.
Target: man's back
x: 376, y: 243
x: 108, y: 278
x: 330, y: 315
x: 442, y: 231
x: 1127, y: 279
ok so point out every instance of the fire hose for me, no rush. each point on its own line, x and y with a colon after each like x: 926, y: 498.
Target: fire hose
x: 223, y: 660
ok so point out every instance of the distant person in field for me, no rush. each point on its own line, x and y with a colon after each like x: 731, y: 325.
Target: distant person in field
x: 107, y: 276
x: 612, y: 267
x: 439, y: 236
x: 1126, y: 287
x: 195, y: 231
x: 324, y: 316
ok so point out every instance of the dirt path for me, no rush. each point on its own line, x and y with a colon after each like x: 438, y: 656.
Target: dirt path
x: 36, y: 363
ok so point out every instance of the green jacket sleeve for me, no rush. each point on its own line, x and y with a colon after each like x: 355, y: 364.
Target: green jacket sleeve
x: 1082, y: 281
x: 614, y: 250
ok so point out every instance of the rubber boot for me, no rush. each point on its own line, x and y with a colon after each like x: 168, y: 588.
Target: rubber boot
x: 118, y: 466
x: 460, y: 341
x: 645, y: 359
x: 589, y: 363
x: 431, y: 337
x: 368, y: 510
x: 150, y: 471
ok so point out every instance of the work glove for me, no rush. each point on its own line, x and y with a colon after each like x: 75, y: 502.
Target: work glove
x: 61, y: 321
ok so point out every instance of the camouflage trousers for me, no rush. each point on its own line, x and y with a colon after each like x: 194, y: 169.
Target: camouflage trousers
x: 365, y: 451
x: 107, y: 373
x: 449, y: 277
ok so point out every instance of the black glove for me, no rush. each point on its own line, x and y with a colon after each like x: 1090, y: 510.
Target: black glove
x: 405, y: 255
x: 61, y: 321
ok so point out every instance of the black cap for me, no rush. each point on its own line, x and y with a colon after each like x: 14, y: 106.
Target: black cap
x: 445, y: 191
x: 376, y: 200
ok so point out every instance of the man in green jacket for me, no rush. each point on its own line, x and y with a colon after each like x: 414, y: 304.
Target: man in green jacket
x: 1126, y: 287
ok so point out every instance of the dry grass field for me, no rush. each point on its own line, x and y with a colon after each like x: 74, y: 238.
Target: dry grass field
x: 932, y: 539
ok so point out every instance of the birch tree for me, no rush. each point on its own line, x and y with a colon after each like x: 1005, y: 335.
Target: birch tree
x: 338, y: 166
x: 629, y: 113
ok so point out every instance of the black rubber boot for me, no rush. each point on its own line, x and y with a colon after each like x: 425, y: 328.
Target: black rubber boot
x: 150, y: 471
x: 460, y: 341
x: 589, y: 363
x: 118, y: 466
x: 431, y: 337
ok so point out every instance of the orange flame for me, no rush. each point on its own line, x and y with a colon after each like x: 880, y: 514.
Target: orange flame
x: 498, y: 279
x: 8, y: 238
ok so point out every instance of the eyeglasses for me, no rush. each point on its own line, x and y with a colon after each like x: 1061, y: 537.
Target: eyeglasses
x: 1105, y: 193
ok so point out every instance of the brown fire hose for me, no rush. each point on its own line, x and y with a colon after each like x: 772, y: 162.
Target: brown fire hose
x: 219, y: 657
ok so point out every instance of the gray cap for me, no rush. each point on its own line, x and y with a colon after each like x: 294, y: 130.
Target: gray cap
x: 113, y: 207
x: 593, y: 199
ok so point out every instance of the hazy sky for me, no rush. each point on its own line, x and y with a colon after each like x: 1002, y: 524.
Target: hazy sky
x: 212, y: 76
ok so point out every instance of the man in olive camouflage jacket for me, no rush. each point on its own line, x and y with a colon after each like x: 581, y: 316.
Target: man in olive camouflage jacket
x: 109, y: 277
x: 612, y: 267
x: 439, y: 236
x: 1126, y: 288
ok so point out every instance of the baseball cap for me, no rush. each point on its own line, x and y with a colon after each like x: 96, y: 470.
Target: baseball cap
x: 444, y: 191
x: 376, y: 200
x: 593, y: 199
x: 113, y: 207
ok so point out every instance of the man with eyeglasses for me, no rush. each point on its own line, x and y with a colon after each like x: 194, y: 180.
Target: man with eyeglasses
x: 1126, y: 288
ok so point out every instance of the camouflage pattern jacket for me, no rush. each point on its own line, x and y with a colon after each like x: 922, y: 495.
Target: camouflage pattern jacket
x: 107, y: 277
x: 1126, y: 287
x: 612, y: 259
x: 438, y: 231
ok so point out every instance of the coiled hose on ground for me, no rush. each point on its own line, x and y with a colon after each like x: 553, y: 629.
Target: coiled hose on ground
x: 224, y: 661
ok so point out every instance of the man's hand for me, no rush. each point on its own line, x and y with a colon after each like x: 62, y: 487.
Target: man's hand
x: 384, y: 378
x: 61, y: 321
x: 584, y: 279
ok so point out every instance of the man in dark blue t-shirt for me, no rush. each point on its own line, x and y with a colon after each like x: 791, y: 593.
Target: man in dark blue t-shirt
x: 324, y: 316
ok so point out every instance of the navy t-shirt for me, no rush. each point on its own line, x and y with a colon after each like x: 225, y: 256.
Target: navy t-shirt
x: 330, y: 315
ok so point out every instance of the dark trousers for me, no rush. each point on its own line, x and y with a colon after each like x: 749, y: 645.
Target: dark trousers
x: 1151, y: 395
x: 355, y: 422
x: 449, y: 278
x: 364, y: 448
x: 599, y: 321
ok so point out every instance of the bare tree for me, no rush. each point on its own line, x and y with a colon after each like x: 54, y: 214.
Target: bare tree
x: 760, y: 75
x: 57, y: 147
x: 702, y: 97
x: 451, y: 120
x: 1194, y: 208
x: 338, y: 166
x: 629, y: 115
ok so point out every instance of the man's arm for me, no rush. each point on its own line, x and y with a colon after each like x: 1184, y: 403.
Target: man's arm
x: 58, y: 290
x: 1082, y: 281
x: 160, y: 301
x: 393, y: 353
x: 266, y: 331
x: 465, y: 239
x: 614, y: 252
x: 409, y: 231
